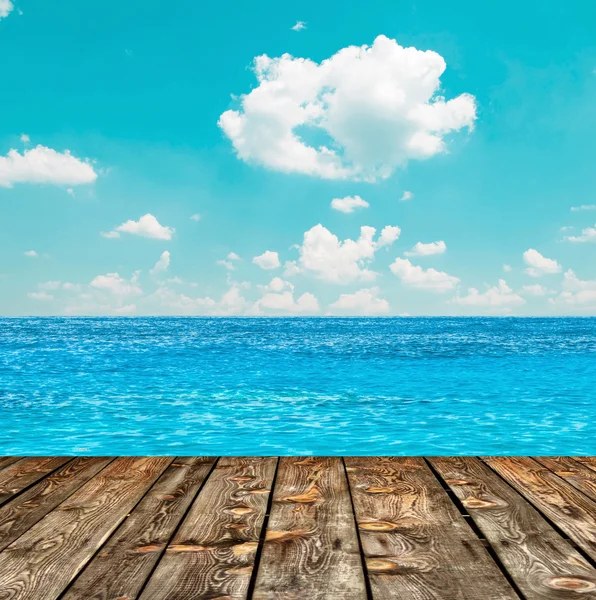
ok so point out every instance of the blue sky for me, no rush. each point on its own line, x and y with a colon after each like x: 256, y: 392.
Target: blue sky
x: 146, y: 169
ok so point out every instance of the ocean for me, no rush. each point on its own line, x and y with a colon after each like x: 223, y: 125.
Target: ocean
x: 278, y: 386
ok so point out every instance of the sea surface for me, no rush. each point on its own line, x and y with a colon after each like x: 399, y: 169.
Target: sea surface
x: 376, y: 386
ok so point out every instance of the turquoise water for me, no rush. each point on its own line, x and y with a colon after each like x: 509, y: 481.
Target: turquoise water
x: 297, y: 386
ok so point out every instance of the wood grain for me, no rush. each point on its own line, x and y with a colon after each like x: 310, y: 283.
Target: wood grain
x: 541, y: 563
x: 22, y: 512
x: 212, y: 554
x: 572, y: 511
x: 5, y: 461
x: 44, y: 560
x: 25, y: 472
x: 125, y: 562
x: 580, y: 476
x: 311, y: 545
x: 417, y: 545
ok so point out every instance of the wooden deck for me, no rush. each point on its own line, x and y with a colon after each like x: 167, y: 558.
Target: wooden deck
x: 296, y: 528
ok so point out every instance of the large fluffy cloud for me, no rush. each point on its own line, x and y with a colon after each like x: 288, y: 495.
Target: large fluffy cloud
x: 377, y: 106
x: 424, y: 279
x: 363, y: 302
x: 147, y: 226
x: 44, y: 165
x: 325, y: 257
x: 498, y: 296
x: 540, y: 265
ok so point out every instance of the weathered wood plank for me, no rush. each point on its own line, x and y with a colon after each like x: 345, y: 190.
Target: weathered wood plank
x: 574, y: 472
x: 311, y: 545
x: 125, y: 562
x: 22, y: 512
x: 573, y: 512
x: 416, y: 543
x: 23, y: 473
x: 5, y: 461
x: 212, y: 554
x: 44, y: 560
x: 541, y: 563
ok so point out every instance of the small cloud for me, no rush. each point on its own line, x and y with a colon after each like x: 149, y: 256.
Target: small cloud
x: 430, y: 249
x: 225, y: 263
x: 540, y: 265
x: 566, y: 228
x: 147, y: 226
x: 300, y: 25
x: 419, y: 278
x: 162, y: 264
x: 195, y: 217
x: 25, y: 138
x: 127, y: 52
x: 70, y: 192
x: 348, y: 204
x: 31, y: 253
x: 406, y: 196
x: 109, y: 234
x: 500, y: 295
x: 40, y: 296
x: 583, y: 207
x: 588, y: 235
x: 233, y: 256
x: 534, y: 290
x: 507, y: 268
x: 268, y: 260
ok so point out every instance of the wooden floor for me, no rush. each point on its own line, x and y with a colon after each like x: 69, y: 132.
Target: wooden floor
x: 184, y: 528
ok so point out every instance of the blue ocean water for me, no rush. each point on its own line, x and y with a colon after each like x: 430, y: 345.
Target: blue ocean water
x: 297, y: 386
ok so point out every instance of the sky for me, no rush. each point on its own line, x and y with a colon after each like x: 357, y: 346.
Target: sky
x: 202, y: 158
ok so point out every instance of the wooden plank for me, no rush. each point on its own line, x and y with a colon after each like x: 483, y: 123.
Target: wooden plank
x: 416, y: 543
x: 578, y: 475
x: 311, y: 546
x: 5, y: 461
x: 124, y: 564
x: 22, y: 512
x: 44, y: 560
x: 572, y: 512
x: 541, y: 563
x: 25, y: 472
x: 212, y: 554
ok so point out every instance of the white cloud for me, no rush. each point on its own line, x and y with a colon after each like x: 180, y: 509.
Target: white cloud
x: 49, y: 285
x: 378, y: 107
x: 363, y: 302
x: 268, y: 260
x: 284, y: 302
x: 576, y: 291
x: 24, y: 137
x: 588, y: 235
x: 277, y: 284
x: 497, y: 296
x: 421, y: 249
x: 116, y: 285
x: 424, y: 279
x: 40, y: 296
x: 348, y: 204
x: 147, y: 226
x: 583, y: 207
x: 507, y: 268
x: 127, y: 309
x: 539, y: 265
x: 233, y: 256
x: 109, y: 234
x: 225, y: 263
x: 534, y: 290
x: 566, y: 228
x: 300, y: 25
x: 325, y: 257
x: 162, y: 264
x: 44, y: 165
x: 389, y: 234
x: 31, y: 253
x: 195, y: 217
x: 6, y: 7
x: 406, y: 196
